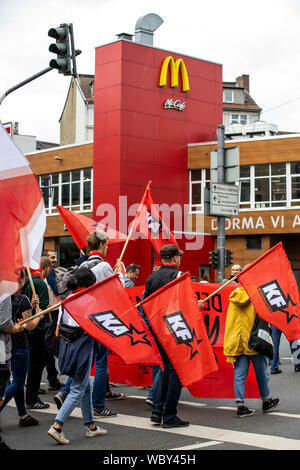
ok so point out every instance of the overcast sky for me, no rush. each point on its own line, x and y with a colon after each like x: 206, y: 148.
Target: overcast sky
x: 260, y: 38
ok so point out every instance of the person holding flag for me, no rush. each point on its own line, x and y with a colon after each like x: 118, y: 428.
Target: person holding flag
x: 168, y: 388
x: 239, y: 321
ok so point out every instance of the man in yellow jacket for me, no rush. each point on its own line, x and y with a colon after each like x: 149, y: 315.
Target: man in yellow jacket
x: 239, y: 322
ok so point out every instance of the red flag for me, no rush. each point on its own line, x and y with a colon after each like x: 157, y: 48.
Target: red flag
x: 178, y: 323
x: 22, y: 212
x: 149, y: 222
x: 106, y: 313
x: 271, y: 285
x: 80, y: 226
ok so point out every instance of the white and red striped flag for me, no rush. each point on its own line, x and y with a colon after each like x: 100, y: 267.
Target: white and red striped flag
x: 22, y: 215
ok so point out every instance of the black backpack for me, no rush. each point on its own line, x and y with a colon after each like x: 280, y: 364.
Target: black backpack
x: 63, y: 275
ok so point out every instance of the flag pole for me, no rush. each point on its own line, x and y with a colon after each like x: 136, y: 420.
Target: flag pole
x: 219, y: 288
x: 33, y: 289
x: 42, y: 312
x: 125, y: 245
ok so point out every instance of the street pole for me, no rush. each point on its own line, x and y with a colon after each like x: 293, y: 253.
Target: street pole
x: 221, y: 219
x: 19, y: 85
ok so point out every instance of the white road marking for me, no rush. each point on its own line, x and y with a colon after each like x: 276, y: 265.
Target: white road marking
x: 199, y: 445
x: 263, y: 441
x: 189, y: 403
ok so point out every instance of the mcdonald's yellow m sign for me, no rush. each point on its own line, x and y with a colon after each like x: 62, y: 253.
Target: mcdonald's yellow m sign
x: 174, y: 68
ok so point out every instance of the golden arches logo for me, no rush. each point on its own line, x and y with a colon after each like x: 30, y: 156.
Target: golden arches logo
x: 174, y: 69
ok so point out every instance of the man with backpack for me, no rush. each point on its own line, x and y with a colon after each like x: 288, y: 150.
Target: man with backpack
x: 98, y: 245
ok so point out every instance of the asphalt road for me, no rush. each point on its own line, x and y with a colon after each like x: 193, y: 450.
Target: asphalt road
x: 214, y: 426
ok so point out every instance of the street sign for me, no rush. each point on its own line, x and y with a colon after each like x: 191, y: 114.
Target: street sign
x: 224, y: 199
x: 231, y: 165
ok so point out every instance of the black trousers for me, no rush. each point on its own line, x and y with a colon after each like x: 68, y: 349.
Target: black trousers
x: 37, y: 362
x: 4, y: 379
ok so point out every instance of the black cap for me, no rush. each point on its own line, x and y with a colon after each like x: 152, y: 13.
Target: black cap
x: 168, y: 251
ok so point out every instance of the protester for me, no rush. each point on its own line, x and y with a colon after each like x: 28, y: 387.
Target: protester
x: 239, y: 322
x: 205, y: 278
x: 21, y: 310
x: 76, y: 357
x: 168, y: 387
x: 98, y: 245
x: 294, y: 347
x: 132, y: 273
x: 51, y: 342
x: 156, y: 370
x: 7, y: 327
x: 235, y: 270
x: 36, y: 338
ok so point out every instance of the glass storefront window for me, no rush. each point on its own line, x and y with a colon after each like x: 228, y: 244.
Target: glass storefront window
x: 71, y: 189
x: 262, y: 170
x: 267, y: 185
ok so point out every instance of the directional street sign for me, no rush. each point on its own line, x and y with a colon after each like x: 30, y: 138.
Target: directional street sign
x: 224, y: 199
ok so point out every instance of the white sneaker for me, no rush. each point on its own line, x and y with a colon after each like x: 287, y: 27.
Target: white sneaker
x: 58, y: 436
x: 95, y: 432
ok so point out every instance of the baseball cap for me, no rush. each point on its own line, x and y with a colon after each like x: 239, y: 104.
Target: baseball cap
x: 168, y: 251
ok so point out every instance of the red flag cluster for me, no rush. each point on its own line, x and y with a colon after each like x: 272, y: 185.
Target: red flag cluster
x: 106, y: 312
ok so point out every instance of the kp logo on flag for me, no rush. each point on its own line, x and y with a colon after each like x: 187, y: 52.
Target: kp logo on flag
x: 111, y: 324
x: 181, y: 331
x: 275, y: 299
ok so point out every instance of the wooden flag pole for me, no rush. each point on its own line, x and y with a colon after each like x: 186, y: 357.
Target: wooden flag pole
x: 125, y: 245
x: 218, y: 290
x: 33, y: 290
x: 42, y: 312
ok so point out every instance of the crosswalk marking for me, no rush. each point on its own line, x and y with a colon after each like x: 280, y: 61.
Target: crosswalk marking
x: 188, y: 403
x: 199, y: 445
x: 231, y: 408
x: 263, y: 441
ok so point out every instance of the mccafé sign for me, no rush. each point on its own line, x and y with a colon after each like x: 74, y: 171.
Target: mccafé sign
x: 175, y: 67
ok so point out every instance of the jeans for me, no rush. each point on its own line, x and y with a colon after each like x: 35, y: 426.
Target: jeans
x: 241, y: 368
x: 101, y: 372
x: 167, y: 390
x: 65, y: 389
x: 19, y: 368
x: 80, y: 392
x: 276, y: 335
x: 156, y: 371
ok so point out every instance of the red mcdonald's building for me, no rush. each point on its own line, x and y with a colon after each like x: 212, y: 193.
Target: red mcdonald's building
x: 149, y: 104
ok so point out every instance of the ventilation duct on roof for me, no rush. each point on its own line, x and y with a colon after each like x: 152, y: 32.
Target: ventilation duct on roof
x: 145, y: 27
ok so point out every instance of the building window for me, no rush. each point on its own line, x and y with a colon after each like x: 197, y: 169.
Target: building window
x: 228, y: 96
x: 265, y: 186
x: 239, y: 119
x: 71, y: 189
x: 253, y: 242
x: 199, y: 179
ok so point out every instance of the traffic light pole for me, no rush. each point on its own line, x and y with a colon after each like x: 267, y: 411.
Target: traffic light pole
x: 28, y: 80
x: 221, y: 219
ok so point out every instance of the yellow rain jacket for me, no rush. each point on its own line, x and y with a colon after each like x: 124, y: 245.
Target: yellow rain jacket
x: 239, y: 322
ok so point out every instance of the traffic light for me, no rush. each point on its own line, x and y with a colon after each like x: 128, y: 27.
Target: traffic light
x: 61, y: 48
x: 214, y: 258
x: 228, y: 258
